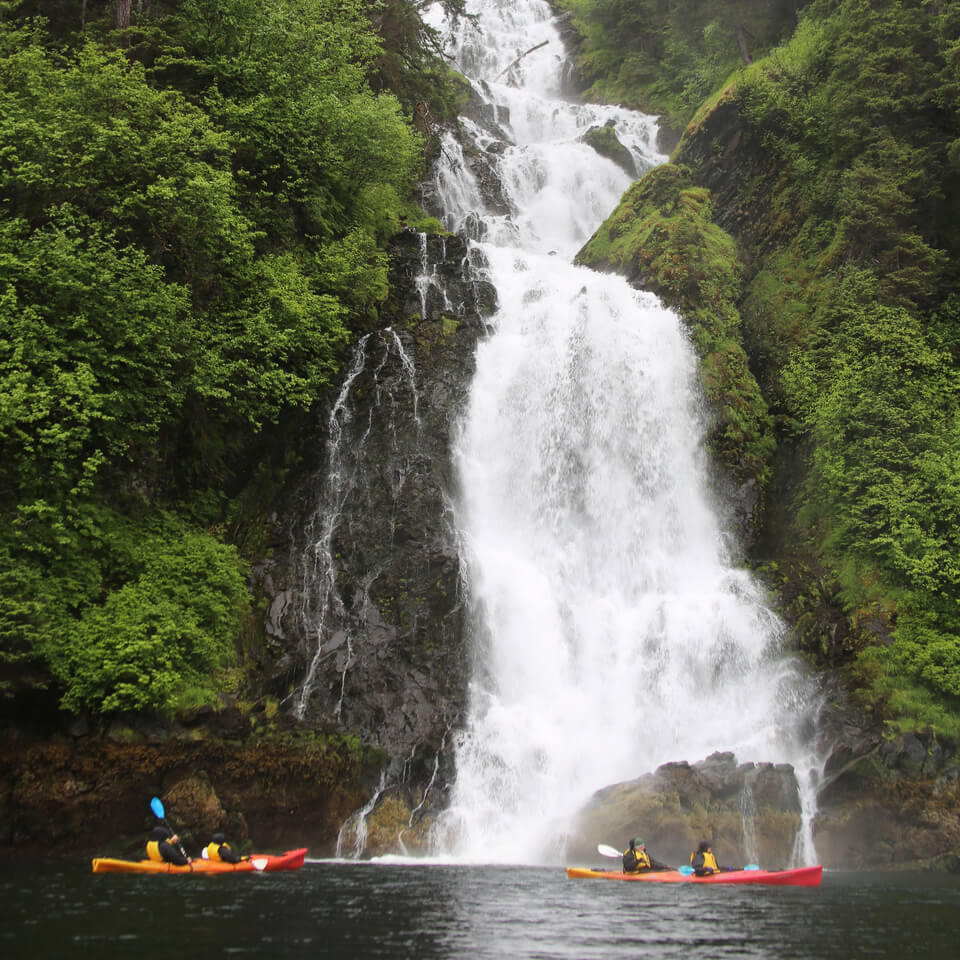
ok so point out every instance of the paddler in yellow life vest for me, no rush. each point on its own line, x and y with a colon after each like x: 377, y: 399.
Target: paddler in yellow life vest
x: 165, y: 848
x: 703, y: 861
x: 635, y: 858
x: 219, y: 850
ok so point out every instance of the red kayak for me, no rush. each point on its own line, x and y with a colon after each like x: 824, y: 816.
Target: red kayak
x: 257, y: 862
x: 797, y: 877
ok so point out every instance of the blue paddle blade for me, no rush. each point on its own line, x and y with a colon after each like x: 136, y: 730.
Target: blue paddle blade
x: 686, y: 871
x: 752, y: 866
x: 157, y: 807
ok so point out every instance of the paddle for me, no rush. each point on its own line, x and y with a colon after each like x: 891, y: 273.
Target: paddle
x: 157, y: 807
x: 607, y: 851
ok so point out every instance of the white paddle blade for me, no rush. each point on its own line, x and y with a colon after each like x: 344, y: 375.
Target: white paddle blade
x: 259, y: 863
x: 607, y: 851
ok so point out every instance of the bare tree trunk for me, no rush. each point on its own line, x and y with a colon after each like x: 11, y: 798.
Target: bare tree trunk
x: 123, y: 14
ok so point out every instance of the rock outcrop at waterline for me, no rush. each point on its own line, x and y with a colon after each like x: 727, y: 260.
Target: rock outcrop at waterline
x: 90, y: 796
x: 885, y: 804
x: 749, y: 812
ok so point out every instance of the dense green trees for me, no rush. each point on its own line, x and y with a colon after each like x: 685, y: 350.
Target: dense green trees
x: 193, y: 214
x: 666, y: 57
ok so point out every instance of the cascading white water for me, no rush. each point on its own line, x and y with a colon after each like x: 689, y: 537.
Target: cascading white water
x: 613, y: 631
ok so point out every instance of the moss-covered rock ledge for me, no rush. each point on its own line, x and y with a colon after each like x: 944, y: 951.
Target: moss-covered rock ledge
x: 90, y: 795
x: 662, y: 238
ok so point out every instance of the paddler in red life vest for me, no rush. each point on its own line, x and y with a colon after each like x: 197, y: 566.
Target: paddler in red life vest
x: 164, y: 847
x: 703, y: 861
x: 219, y: 850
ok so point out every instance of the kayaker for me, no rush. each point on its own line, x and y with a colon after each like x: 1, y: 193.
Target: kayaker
x: 166, y: 848
x: 703, y: 861
x: 219, y: 849
x: 637, y: 860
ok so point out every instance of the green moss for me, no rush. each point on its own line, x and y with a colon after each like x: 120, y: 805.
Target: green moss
x: 662, y: 236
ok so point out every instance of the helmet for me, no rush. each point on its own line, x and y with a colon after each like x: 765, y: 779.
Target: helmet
x: 637, y: 842
x: 704, y: 847
x: 159, y: 833
x: 218, y: 838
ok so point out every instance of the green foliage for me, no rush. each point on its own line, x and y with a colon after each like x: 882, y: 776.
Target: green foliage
x: 666, y: 57
x: 842, y: 178
x: 193, y: 214
x: 861, y: 109
x: 158, y: 634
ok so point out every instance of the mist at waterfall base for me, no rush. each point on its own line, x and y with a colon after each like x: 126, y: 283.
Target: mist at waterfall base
x: 368, y: 910
x: 613, y: 630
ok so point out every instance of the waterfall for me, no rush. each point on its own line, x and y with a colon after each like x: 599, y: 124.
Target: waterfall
x: 613, y: 631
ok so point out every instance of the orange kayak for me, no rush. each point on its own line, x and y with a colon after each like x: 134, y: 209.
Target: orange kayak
x: 291, y: 860
x: 797, y: 877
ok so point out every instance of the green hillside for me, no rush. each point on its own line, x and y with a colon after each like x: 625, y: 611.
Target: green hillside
x: 195, y: 203
x: 832, y: 163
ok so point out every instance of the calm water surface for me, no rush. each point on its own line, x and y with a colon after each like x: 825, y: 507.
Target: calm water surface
x: 431, y: 912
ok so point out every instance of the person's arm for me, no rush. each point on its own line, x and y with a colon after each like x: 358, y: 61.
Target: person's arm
x: 172, y: 854
x: 227, y: 854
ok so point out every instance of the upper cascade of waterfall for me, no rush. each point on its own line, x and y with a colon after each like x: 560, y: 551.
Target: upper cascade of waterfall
x: 558, y: 189
x: 613, y: 631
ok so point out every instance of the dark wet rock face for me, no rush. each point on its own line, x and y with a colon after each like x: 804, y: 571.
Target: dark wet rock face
x: 91, y: 796
x: 365, y: 596
x: 889, y: 802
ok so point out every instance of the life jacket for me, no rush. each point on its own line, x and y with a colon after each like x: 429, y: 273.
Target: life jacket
x: 635, y: 860
x: 153, y: 850
x: 213, y: 851
x: 703, y: 863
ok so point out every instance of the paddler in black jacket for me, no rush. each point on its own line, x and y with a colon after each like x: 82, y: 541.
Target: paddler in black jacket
x: 703, y: 861
x: 637, y: 860
x: 166, y: 848
x: 218, y: 849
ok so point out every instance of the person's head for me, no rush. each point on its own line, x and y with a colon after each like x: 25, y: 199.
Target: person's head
x: 704, y: 847
x: 637, y: 842
x: 218, y: 838
x: 158, y: 833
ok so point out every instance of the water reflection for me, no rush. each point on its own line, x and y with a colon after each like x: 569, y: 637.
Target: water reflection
x: 442, y: 912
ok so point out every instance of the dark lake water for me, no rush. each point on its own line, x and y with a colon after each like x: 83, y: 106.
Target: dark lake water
x: 428, y: 912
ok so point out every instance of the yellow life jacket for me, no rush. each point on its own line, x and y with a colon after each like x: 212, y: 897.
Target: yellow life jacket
x: 642, y: 860
x: 709, y: 861
x: 213, y: 850
x: 153, y: 850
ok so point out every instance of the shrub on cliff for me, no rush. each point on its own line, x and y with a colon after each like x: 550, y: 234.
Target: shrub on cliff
x: 193, y: 213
